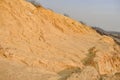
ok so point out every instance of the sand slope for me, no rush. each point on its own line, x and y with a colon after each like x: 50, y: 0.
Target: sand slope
x: 38, y: 44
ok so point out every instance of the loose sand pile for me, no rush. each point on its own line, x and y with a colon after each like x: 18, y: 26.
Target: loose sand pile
x: 38, y: 44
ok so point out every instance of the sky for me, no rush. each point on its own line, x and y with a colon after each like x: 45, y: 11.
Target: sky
x: 99, y: 13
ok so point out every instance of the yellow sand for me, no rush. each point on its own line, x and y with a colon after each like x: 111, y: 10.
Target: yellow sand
x: 38, y: 44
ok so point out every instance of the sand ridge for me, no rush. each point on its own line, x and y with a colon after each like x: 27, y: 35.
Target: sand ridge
x: 42, y: 44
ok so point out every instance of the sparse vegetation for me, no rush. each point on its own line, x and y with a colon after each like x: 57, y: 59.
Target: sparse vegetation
x: 82, y: 22
x: 66, y: 15
x: 89, y: 60
x: 35, y: 2
x: 68, y: 72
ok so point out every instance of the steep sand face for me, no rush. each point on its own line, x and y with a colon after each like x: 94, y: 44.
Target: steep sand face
x: 38, y: 44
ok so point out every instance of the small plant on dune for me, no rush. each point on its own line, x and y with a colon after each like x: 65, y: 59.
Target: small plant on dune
x: 35, y: 2
x: 89, y: 60
x: 82, y: 22
x: 66, y: 15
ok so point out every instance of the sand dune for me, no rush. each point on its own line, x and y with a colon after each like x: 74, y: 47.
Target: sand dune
x: 39, y: 44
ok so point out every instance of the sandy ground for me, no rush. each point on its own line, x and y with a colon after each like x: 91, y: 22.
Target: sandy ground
x: 38, y: 44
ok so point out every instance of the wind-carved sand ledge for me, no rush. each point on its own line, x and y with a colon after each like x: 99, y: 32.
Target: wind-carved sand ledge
x: 39, y: 44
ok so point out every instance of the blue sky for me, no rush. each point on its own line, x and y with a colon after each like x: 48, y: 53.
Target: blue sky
x: 100, y: 13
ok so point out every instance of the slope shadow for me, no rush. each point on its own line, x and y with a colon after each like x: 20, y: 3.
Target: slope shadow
x: 68, y: 72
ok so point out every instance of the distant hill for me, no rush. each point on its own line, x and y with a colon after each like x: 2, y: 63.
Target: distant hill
x: 115, y: 35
